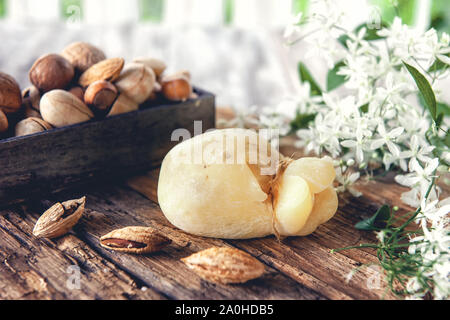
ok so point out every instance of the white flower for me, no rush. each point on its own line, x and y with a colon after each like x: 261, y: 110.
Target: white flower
x: 357, y: 144
x: 380, y: 235
x: 386, y: 138
x: 416, y: 152
x: 411, y: 197
x: 413, y: 285
x: 376, y: 116
x: 346, y: 181
x: 438, y: 49
x: 435, y: 210
x: 391, y: 88
x: 349, y: 276
x: 419, y: 180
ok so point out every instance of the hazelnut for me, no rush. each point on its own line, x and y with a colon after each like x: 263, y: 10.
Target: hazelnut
x: 51, y: 71
x: 176, y: 88
x: 156, y: 65
x: 61, y: 108
x: 100, y: 95
x: 82, y: 55
x: 10, y: 96
x: 3, y: 122
x: 136, y: 81
x: 123, y: 104
x: 77, y: 92
x: 30, y: 126
x: 30, y: 101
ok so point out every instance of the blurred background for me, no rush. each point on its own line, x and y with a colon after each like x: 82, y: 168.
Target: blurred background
x: 234, y: 48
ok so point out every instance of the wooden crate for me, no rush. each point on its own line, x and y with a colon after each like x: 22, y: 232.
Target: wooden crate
x: 96, y: 150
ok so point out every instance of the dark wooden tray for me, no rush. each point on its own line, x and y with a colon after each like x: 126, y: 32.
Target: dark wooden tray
x: 98, y: 149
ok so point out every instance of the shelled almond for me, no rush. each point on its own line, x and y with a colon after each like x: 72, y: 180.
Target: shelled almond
x: 80, y: 84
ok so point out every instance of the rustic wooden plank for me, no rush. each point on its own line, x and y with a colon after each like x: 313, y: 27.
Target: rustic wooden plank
x: 308, y: 259
x: 146, y: 184
x: 114, y: 207
x: 31, y: 268
x: 98, y: 149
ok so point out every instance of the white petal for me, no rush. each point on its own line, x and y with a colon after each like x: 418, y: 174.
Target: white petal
x: 348, y: 143
x: 431, y: 166
x: 353, y: 177
x: 406, y: 154
x: 377, y: 143
x: 359, y: 154
x: 410, y: 198
x: 393, y: 148
x: 396, y: 132
x: 403, y: 165
x: 415, y: 166
x: 443, y: 58
x: 406, y: 180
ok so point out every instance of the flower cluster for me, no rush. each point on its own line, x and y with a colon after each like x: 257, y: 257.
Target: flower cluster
x: 375, y: 114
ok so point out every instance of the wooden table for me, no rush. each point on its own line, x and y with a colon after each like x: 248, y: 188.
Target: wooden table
x: 296, y: 268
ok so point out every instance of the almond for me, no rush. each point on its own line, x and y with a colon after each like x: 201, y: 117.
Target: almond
x: 136, y: 240
x: 108, y: 70
x: 224, y: 265
x: 59, y: 218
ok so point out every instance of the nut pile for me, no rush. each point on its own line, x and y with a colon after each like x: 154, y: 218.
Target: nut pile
x: 81, y: 84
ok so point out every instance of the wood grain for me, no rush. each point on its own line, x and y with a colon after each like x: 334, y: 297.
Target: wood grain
x: 308, y: 260
x: 41, y: 269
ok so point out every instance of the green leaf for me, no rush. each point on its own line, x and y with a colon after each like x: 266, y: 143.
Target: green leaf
x: 364, y: 108
x: 334, y: 80
x: 302, y: 120
x: 305, y: 76
x: 443, y: 108
x: 438, y: 65
x: 380, y: 217
x: 440, y: 106
x: 439, y: 119
x: 424, y: 88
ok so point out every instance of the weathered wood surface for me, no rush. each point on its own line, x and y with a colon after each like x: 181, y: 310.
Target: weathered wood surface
x: 296, y: 268
x: 91, y: 151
